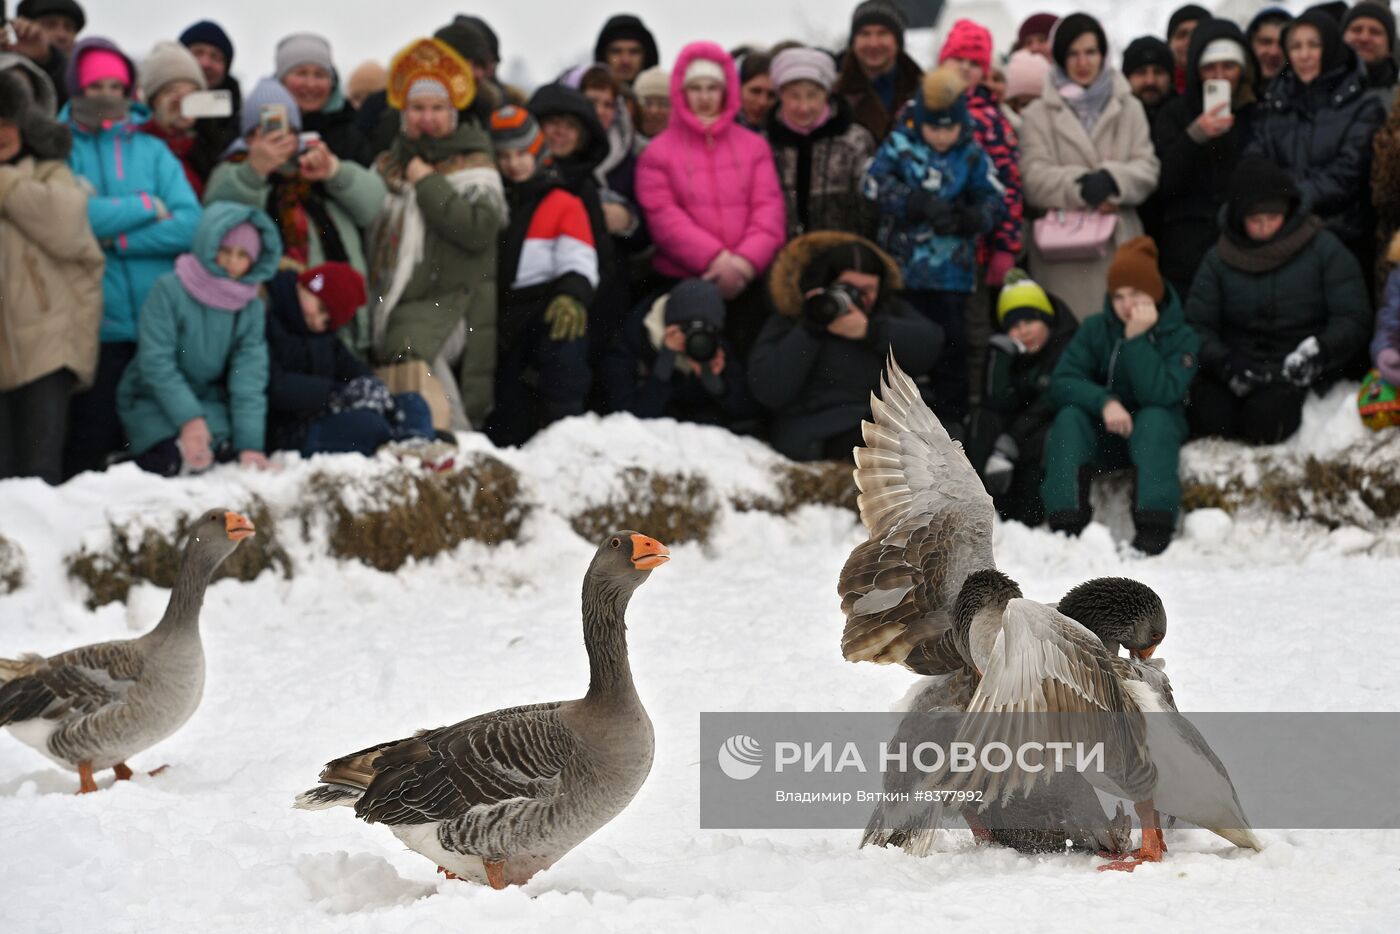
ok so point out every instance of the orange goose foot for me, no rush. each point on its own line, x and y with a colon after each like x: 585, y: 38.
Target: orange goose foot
x: 1153, y: 847
x: 495, y: 873
x: 124, y: 772
x: 450, y: 875
x: 86, y: 783
x: 979, y: 827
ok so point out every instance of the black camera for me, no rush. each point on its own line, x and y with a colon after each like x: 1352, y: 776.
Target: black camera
x: 701, y: 340
x: 831, y: 303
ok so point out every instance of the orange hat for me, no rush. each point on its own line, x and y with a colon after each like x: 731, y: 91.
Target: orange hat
x: 1135, y: 265
x: 430, y: 60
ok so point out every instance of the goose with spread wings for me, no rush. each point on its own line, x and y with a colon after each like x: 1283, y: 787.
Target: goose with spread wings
x: 501, y: 796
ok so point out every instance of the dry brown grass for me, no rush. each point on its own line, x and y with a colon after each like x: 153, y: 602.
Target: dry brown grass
x: 822, y: 483
x: 11, y: 566
x: 673, y: 508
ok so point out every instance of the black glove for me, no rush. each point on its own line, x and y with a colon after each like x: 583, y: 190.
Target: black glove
x: 1001, y: 465
x: 363, y: 392
x: 1304, y: 365
x: 1097, y: 187
x: 1243, y: 375
x: 967, y: 220
x: 933, y: 209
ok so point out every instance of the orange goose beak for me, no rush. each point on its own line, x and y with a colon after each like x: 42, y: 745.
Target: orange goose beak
x: 648, y: 553
x: 238, y: 527
x: 1143, y: 655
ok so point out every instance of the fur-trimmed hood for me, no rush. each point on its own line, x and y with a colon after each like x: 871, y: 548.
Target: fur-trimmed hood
x: 44, y: 137
x: 785, y: 280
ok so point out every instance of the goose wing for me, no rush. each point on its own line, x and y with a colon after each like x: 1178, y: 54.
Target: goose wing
x: 930, y: 525
x: 73, y: 684
x: 1049, y: 679
x: 513, y: 754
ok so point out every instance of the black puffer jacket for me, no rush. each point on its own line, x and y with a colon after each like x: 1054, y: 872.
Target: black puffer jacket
x: 1196, y: 170
x: 1321, y: 134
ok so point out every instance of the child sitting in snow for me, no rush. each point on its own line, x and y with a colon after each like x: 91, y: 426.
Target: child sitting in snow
x: 1006, y: 437
x: 937, y: 193
x: 196, y: 392
x: 1379, y: 406
x: 321, y: 397
x: 548, y: 274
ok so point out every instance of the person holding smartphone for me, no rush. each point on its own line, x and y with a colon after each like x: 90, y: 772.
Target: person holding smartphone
x: 1199, y: 138
x: 1120, y: 393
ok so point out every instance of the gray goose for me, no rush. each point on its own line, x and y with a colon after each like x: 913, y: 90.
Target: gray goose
x: 94, y: 707
x: 499, y: 797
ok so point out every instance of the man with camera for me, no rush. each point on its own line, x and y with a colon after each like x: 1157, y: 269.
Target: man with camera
x: 672, y: 361
x: 820, y: 356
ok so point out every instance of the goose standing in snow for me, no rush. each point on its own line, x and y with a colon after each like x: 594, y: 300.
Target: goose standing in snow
x: 94, y: 707
x: 499, y: 797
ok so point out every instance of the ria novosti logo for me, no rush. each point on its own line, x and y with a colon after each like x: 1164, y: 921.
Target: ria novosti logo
x: 740, y: 757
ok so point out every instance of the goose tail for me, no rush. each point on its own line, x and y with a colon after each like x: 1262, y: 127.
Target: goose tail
x: 1241, y: 837
x: 323, y: 797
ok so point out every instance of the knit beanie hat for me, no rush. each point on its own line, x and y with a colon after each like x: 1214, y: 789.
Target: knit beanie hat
x: 695, y: 300
x: 493, y: 42
x: 1025, y: 74
x: 1071, y: 28
x: 1376, y: 11
x: 1223, y: 50
x: 33, y: 9
x: 700, y: 69
x: 367, y: 78
x: 1135, y: 266
x: 942, y: 101
x: 339, y: 285
x: 302, y: 48
x: 879, y: 13
x: 169, y: 62
x: 515, y: 127
x: 102, y: 64
x: 1187, y: 14
x: 209, y: 33
x: 1023, y: 299
x: 245, y: 237
x: 1147, y: 50
x: 267, y: 91
x: 1273, y: 14
x: 1037, y: 24
x: 970, y: 41
x: 803, y: 65
x: 466, y: 40
x: 654, y: 82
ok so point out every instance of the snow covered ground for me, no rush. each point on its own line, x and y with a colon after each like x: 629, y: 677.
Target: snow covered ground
x: 1263, y: 617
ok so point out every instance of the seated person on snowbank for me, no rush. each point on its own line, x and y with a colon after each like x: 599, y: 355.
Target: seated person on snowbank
x: 1385, y: 345
x: 1006, y: 439
x: 672, y: 361
x: 321, y: 398
x: 1120, y: 391
x: 196, y: 392
x: 820, y: 355
x: 1280, y: 306
x: 548, y: 274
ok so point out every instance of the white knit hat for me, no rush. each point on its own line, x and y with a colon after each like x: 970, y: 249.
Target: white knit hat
x: 654, y: 82
x: 1222, y: 50
x: 702, y: 68
x: 169, y: 62
x: 302, y: 48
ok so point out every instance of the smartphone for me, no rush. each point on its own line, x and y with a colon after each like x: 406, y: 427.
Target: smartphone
x: 272, y: 118
x: 1216, y: 92
x: 202, y: 105
x: 304, y: 140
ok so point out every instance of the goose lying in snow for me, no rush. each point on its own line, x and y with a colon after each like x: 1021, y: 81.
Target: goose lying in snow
x: 94, y: 707
x: 501, y: 796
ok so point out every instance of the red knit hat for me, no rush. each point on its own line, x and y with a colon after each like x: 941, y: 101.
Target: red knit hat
x: 340, y: 286
x: 970, y: 41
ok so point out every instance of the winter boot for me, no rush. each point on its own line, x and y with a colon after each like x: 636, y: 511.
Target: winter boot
x: 1071, y: 522
x: 1154, y: 531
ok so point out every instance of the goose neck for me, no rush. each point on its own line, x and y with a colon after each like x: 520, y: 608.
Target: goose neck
x: 605, y: 638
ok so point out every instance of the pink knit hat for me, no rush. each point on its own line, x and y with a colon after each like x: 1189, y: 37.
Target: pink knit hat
x: 246, y: 237
x: 970, y: 41
x: 101, y: 64
x: 1025, y: 74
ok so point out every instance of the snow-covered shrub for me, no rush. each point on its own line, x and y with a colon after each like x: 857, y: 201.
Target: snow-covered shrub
x: 673, y: 507
x: 823, y: 483
x: 11, y: 566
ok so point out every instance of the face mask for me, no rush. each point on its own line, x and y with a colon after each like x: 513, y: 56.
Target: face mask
x: 100, y: 112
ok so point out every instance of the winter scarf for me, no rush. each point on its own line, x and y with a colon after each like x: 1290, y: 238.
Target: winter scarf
x: 1087, y: 103
x: 213, y: 289
x: 294, y: 204
x: 809, y: 130
x: 1250, y: 256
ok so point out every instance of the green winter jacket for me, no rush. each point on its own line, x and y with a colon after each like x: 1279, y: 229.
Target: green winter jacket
x: 1152, y: 369
x: 193, y: 360
x: 456, y: 278
x: 1017, y: 385
x: 356, y: 195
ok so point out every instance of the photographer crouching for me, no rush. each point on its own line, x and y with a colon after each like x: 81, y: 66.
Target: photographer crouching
x: 819, y: 357
x: 671, y: 361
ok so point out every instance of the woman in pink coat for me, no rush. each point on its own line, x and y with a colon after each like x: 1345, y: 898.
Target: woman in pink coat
x: 710, y: 190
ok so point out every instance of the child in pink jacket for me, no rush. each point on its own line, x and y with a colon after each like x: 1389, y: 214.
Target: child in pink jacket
x: 710, y: 190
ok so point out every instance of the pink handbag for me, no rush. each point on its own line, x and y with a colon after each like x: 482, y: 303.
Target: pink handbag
x: 1068, y: 234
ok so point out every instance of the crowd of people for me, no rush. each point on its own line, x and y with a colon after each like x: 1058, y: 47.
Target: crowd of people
x: 1083, y: 265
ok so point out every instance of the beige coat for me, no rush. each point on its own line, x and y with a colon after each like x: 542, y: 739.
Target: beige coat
x: 1055, y: 152
x: 50, y: 275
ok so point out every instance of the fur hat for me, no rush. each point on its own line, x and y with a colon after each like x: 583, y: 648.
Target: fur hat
x: 432, y: 60
x: 1135, y: 266
x: 169, y: 62
x: 42, y: 136
x: 941, y: 99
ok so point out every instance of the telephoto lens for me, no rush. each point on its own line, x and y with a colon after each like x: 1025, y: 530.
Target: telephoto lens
x: 701, y: 341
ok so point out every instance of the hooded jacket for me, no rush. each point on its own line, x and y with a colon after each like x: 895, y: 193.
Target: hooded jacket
x: 1322, y: 132
x: 1017, y: 386
x: 707, y: 189
x: 817, y: 385
x: 627, y: 26
x: 50, y: 263
x: 1196, y: 170
x: 821, y: 172
x: 195, y: 361
x: 131, y: 175
x: 576, y: 173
